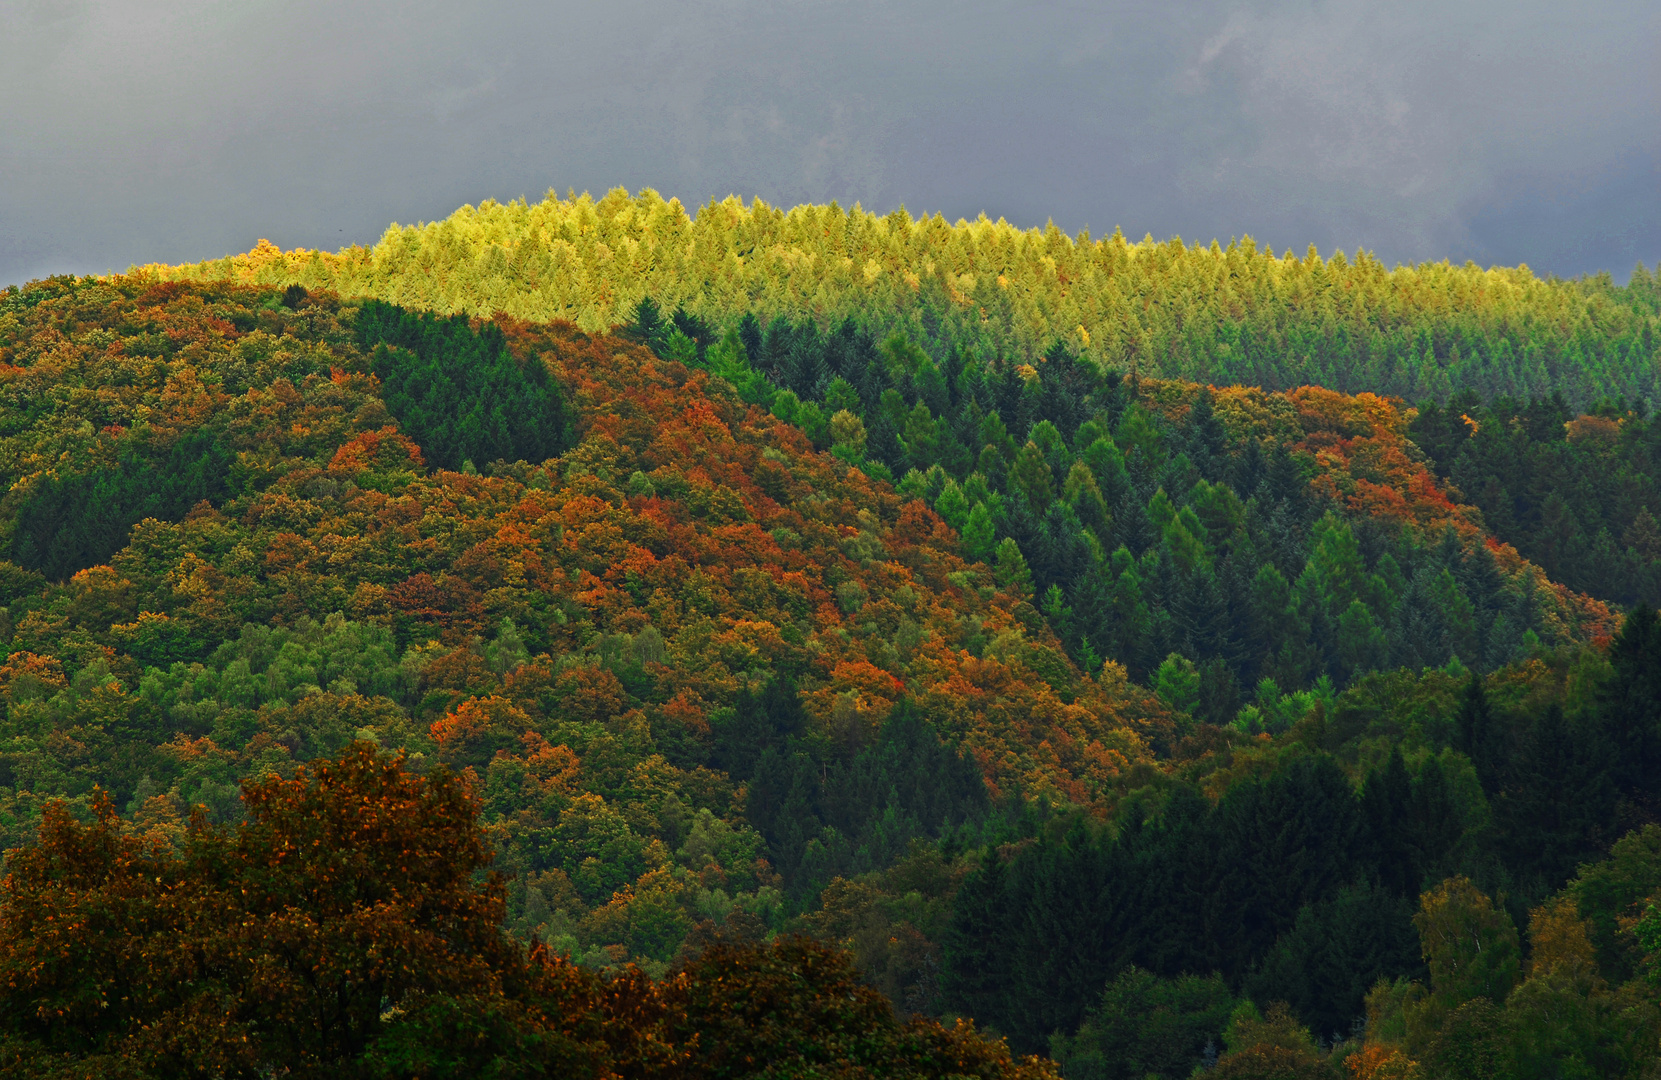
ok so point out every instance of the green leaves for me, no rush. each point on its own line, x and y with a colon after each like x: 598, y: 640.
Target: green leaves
x: 76, y: 520
x: 1470, y: 946
x: 459, y: 393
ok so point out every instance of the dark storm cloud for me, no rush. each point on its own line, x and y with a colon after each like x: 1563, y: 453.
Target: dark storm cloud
x: 1503, y: 132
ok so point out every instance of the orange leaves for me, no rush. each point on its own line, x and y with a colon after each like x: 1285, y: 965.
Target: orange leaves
x: 1321, y: 409
x: 1379, y: 1061
x: 288, y: 552
x: 25, y: 675
x: 478, y: 729
x: 918, y: 525
x: 384, y: 449
x: 554, y: 768
x: 590, y: 694
x: 187, y: 750
x: 1422, y: 488
x: 865, y: 679
x: 447, y: 601
x: 687, y: 713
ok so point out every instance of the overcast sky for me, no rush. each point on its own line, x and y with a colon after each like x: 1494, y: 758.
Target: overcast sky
x: 1503, y: 131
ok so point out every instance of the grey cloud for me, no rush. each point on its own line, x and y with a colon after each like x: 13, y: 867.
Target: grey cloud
x: 138, y: 131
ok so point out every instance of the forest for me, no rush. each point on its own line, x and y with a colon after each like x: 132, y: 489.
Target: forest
x: 1238, y: 314
x: 823, y: 682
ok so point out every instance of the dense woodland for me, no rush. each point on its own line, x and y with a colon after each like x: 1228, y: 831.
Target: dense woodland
x: 1225, y: 315
x: 1577, y: 494
x: 705, y: 697
x: 1181, y: 530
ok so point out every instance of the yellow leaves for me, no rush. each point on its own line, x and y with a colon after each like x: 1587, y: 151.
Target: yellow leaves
x: 591, y: 260
x: 1559, y: 940
x: 1113, y: 678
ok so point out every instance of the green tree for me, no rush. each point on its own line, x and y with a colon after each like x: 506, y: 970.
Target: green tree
x: 1361, y: 644
x: 847, y: 433
x: 1470, y: 946
x: 1145, y: 1026
x: 1032, y: 476
x: 952, y: 507
x: 1011, y: 570
x: 979, y: 533
x: 1177, y: 682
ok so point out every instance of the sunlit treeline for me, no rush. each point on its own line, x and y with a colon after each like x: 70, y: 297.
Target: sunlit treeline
x: 1234, y: 314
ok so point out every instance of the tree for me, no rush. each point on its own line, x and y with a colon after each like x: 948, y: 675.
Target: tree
x: 1559, y: 802
x: 952, y: 507
x: 979, y: 533
x: 1268, y: 1047
x: 1333, y: 955
x: 282, y: 941
x: 1475, y: 734
x: 1147, y: 1026
x: 1631, y: 708
x: 1285, y: 841
x: 1178, y: 682
x: 1011, y: 570
x: 847, y: 433
x: 1032, y: 475
x: 1469, y: 945
x: 798, y: 1008
x: 975, y: 947
x: 1386, y: 800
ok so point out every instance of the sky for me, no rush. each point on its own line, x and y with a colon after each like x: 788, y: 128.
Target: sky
x: 1502, y: 131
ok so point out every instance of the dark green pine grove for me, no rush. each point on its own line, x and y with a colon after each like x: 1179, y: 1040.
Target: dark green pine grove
x: 458, y: 392
x: 1296, y: 887
x: 1576, y: 493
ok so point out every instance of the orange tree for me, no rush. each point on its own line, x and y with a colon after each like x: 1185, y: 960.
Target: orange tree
x: 350, y: 890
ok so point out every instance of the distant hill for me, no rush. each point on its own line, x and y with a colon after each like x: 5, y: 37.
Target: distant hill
x: 1234, y: 315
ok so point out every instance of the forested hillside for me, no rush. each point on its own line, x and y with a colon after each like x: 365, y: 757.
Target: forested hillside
x: 1235, y: 315
x: 1151, y: 723
x: 1175, y: 528
x: 1578, y: 494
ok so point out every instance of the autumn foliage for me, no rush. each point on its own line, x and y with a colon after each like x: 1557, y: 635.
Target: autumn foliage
x: 343, y: 930
x: 351, y: 724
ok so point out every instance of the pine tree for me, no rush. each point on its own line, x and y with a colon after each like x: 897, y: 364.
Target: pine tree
x: 976, y: 947
x: 1476, y: 737
x: 1630, y: 709
x: 1032, y: 477
x: 979, y: 534
x: 1386, y: 801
